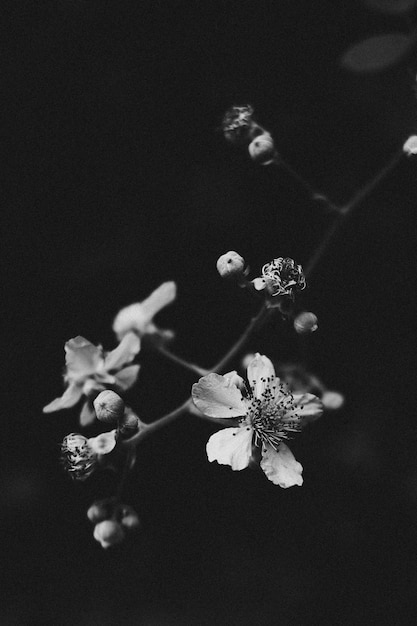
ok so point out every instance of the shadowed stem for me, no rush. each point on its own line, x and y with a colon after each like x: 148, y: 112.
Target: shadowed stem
x: 346, y: 210
x: 179, y: 361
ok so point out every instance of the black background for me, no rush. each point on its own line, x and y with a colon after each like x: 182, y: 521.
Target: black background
x: 116, y: 178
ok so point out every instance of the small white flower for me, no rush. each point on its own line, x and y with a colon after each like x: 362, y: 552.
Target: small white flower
x: 138, y: 317
x: 410, y: 146
x: 267, y: 415
x: 89, y: 370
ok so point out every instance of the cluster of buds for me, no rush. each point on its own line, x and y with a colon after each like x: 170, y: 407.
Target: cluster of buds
x: 81, y: 456
x: 280, y: 279
x: 241, y: 129
x: 111, y: 409
x: 112, y: 520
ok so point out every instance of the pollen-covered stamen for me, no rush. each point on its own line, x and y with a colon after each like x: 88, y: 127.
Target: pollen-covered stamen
x: 282, y: 276
x: 269, y: 414
x: 77, y: 457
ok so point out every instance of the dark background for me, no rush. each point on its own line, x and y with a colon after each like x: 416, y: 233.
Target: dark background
x: 116, y: 178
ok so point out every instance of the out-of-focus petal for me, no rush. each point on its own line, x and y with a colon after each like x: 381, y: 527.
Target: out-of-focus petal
x: 160, y: 298
x: 126, y: 377
x: 82, y: 358
x: 307, y: 407
x: 231, y: 446
x: 104, y: 443
x: 260, y: 373
x: 281, y: 467
x: 216, y: 396
x: 131, y: 318
x: 70, y: 397
x: 137, y: 317
x: 88, y: 414
x: 124, y: 353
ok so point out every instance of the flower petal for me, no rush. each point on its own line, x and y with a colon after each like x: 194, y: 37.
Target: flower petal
x: 217, y: 396
x: 88, y: 414
x: 281, y: 467
x: 124, y: 353
x: 82, y: 358
x: 160, y: 298
x: 237, y: 380
x: 126, y: 377
x: 260, y: 373
x: 70, y: 397
x: 138, y: 316
x: 307, y: 407
x: 103, y: 443
x: 231, y: 446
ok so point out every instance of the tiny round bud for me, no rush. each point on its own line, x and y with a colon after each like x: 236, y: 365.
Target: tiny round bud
x: 230, y: 265
x: 305, y: 323
x: 129, y: 518
x: 128, y: 424
x: 410, y: 146
x: 262, y: 149
x: 108, y: 533
x: 332, y: 400
x: 99, y: 511
x: 109, y: 407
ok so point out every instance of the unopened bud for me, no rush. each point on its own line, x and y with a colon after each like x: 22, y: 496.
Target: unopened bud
x: 410, y: 146
x: 332, y: 400
x: 108, y: 533
x: 109, y: 407
x: 129, y: 518
x: 262, y: 149
x: 230, y: 265
x: 129, y: 424
x: 305, y: 323
x: 99, y: 511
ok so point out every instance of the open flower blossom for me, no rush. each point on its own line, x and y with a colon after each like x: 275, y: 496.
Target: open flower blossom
x: 138, y: 317
x: 81, y: 456
x: 266, y: 416
x: 89, y: 370
x: 281, y: 277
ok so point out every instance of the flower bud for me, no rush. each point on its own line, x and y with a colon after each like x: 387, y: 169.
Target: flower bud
x: 230, y: 265
x: 109, y: 407
x: 108, y: 533
x: 262, y: 149
x: 332, y: 400
x: 305, y: 323
x: 128, y: 424
x: 129, y: 518
x: 99, y: 511
x: 410, y: 146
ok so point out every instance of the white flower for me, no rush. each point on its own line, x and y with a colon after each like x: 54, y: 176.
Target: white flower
x: 89, y: 370
x: 138, y: 317
x: 267, y: 416
x: 410, y: 146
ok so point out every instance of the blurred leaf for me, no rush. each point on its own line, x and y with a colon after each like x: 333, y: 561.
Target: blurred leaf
x: 393, y: 7
x: 377, y: 53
